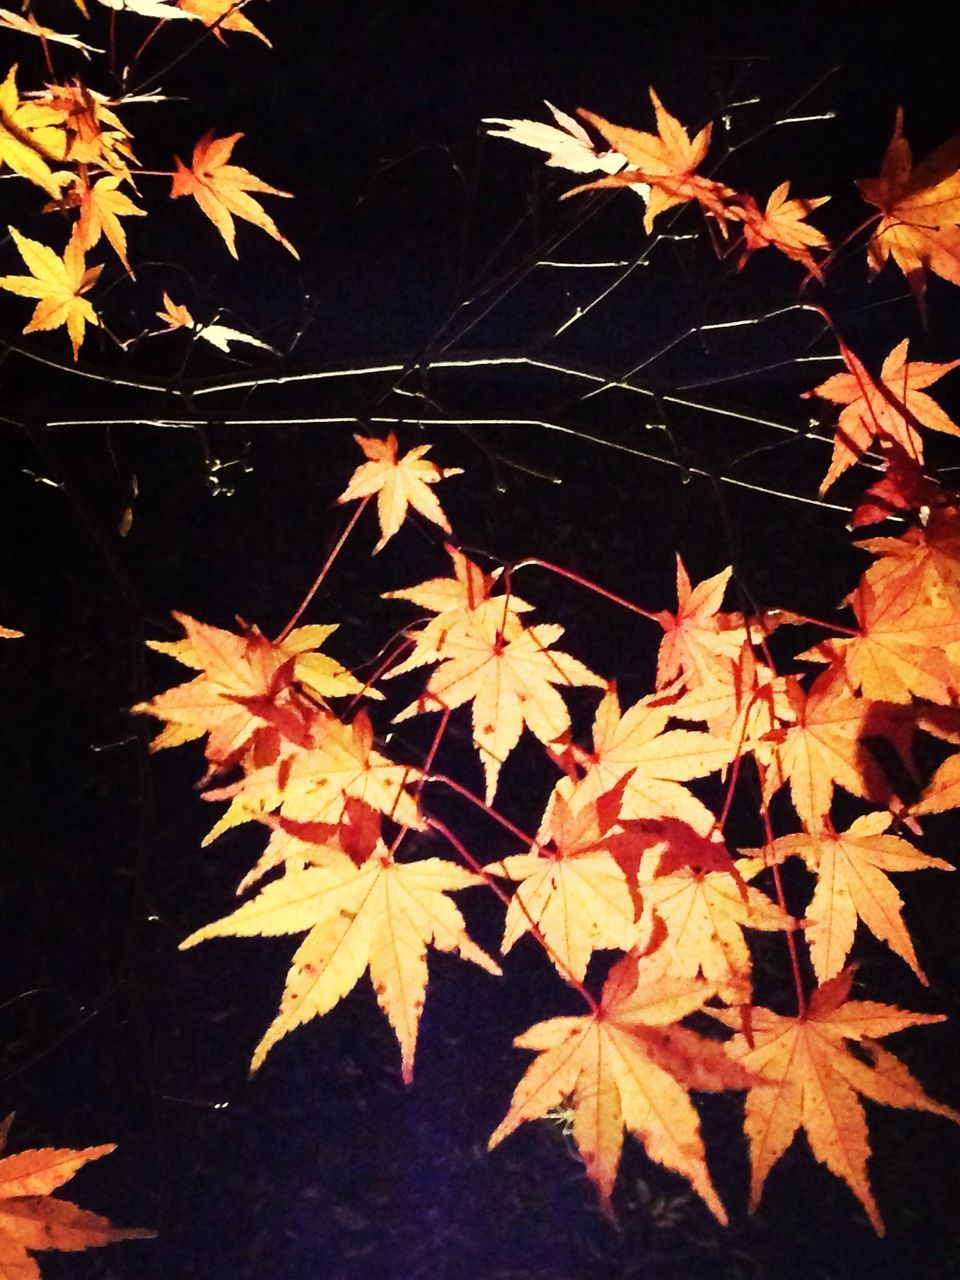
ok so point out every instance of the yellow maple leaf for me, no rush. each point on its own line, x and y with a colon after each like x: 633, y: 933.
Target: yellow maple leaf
x: 381, y: 915
x: 32, y: 1219
x: 32, y: 137
x: 59, y: 285
x: 635, y: 744
x: 823, y: 749
x: 808, y: 1079
x: 398, y: 483
x: 852, y: 884
x: 699, y: 643
x: 628, y: 1067
x: 943, y: 790
x: 460, y: 604
x: 221, y: 189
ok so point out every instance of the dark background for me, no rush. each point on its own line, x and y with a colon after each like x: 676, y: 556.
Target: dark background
x: 419, y: 237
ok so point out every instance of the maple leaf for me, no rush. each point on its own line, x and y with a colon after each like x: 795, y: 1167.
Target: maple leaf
x: 823, y: 748
x: 852, y: 885
x: 888, y: 410
x: 59, y: 285
x: 32, y: 1219
x: 943, y: 790
x: 903, y: 487
x: 398, y: 483
x: 809, y: 1079
x: 314, y: 781
x: 89, y: 130
x: 704, y: 911
x: 31, y: 137
x: 667, y: 160
x: 897, y: 654
x: 919, y: 571
x: 635, y: 745
x: 699, y: 641
x: 568, y: 146
x: 220, y: 189
x: 28, y: 25
x: 782, y: 225
x: 222, y: 15
x: 576, y: 893
x: 628, y: 1067
x: 218, y: 335
x: 101, y: 207
x: 510, y: 683
x: 742, y: 703
x: 381, y: 915
x: 919, y: 226
x: 462, y: 604
x: 237, y: 671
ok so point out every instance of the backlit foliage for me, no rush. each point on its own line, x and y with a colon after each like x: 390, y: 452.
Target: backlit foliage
x: 632, y: 853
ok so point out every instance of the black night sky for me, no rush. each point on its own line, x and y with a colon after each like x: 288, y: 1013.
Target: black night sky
x: 422, y: 243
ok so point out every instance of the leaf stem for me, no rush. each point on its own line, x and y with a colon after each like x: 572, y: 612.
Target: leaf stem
x: 318, y: 581
x: 782, y: 904
x: 529, y: 841
x: 590, y: 586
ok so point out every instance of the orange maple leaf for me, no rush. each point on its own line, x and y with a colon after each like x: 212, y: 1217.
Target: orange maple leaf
x: 705, y: 912
x: 809, y: 1079
x: 888, y: 410
x: 58, y: 284
x: 222, y: 15
x: 823, y: 749
x: 627, y: 1066
x: 943, y: 790
x: 919, y: 226
x: 919, y: 571
x: 852, y: 884
x: 220, y: 189
x: 781, y: 225
x: 666, y: 160
x: 31, y: 1219
x: 242, y: 677
x: 398, y: 483
x: 381, y: 915
x: 700, y: 643
x: 101, y: 207
x: 897, y: 654
x: 576, y: 892
x: 92, y: 132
